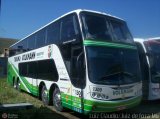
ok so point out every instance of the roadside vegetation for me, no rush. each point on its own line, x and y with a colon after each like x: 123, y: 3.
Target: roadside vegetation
x: 8, y: 95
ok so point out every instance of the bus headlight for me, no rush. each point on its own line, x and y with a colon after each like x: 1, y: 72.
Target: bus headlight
x: 99, y: 96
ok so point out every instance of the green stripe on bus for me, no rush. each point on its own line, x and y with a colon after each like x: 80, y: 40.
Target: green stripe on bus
x: 72, y: 100
x: 30, y: 87
x: 76, y: 103
x: 11, y: 73
x: 67, y: 105
x: 108, y: 106
x: 108, y: 44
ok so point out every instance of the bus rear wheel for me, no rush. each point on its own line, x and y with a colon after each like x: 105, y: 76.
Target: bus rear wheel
x: 44, y: 95
x: 57, y: 100
x: 14, y: 84
x: 18, y: 85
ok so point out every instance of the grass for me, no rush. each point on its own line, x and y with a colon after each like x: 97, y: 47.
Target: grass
x: 9, y: 95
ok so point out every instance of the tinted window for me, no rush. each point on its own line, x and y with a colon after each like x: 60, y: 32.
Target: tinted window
x: 31, y: 42
x: 120, y: 31
x: 75, y: 53
x: 23, y: 69
x: 97, y: 27
x: 67, y: 32
x: 24, y: 44
x: 40, y: 38
x: 77, y: 73
x: 102, y: 27
x: 28, y: 69
x: 47, y: 70
x: 113, y: 66
x: 53, y: 33
x: 44, y: 69
x: 32, y: 69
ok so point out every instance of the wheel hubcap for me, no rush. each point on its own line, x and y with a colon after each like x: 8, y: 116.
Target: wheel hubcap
x: 14, y: 85
x: 57, y: 100
x: 18, y: 85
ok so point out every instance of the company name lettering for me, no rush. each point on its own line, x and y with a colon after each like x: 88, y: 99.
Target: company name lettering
x: 28, y: 56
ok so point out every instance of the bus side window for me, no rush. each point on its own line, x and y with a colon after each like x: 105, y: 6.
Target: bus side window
x: 24, y: 45
x: 31, y: 43
x: 53, y: 33
x: 32, y: 68
x: 46, y: 70
x: 40, y: 38
x: 69, y: 28
x: 77, y: 72
x: 23, y: 69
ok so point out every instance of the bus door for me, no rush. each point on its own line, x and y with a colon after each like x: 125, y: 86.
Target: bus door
x: 77, y: 78
x: 71, y: 50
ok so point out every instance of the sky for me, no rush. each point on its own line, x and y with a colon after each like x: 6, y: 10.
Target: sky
x: 19, y: 18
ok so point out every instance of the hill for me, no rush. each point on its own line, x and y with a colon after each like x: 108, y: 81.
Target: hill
x: 5, y: 43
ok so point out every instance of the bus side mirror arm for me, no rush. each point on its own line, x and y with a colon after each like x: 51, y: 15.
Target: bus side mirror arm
x: 79, y: 62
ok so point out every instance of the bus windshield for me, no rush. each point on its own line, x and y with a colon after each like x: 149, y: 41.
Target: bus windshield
x: 112, y: 66
x: 153, y: 47
x: 102, y: 27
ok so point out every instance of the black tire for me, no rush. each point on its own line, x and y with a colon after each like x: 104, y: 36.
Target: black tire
x: 57, y: 100
x: 44, y: 95
x: 14, y: 84
x: 18, y: 85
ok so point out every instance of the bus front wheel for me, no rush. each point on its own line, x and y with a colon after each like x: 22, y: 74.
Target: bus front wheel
x: 57, y: 100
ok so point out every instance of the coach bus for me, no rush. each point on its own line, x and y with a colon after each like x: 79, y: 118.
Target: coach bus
x: 84, y: 60
x: 149, y: 55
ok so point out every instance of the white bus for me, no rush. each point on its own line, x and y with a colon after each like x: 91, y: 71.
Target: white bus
x: 84, y: 60
x: 149, y: 55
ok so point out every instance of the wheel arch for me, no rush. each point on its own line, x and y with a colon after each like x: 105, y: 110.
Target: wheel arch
x: 52, y: 88
x: 17, y: 79
x: 13, y: 80
x: 40, y: 89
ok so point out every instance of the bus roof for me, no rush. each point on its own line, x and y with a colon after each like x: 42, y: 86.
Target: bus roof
x: 141, y: 40
x: 74, y: 11
x: 155, y: 38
